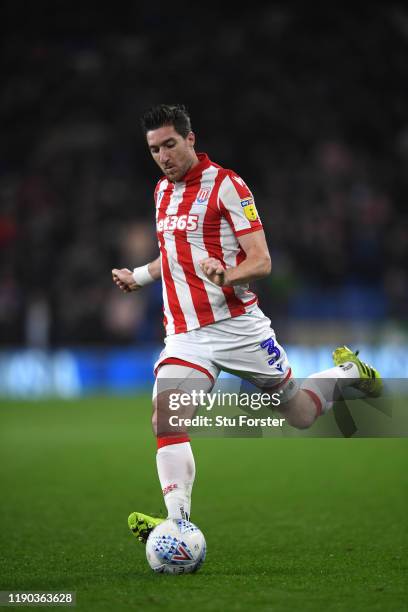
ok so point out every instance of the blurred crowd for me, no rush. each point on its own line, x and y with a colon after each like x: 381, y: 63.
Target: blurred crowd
x: 310, y: 110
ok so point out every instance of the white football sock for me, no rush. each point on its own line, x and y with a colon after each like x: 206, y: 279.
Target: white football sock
x: 176, y: 469
x: 326, y: 384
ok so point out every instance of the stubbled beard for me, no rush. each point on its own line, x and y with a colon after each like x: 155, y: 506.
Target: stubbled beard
x: 182, y: 173
x: 179, y: 173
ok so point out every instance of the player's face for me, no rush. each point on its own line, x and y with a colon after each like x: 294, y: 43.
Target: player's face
x: 171, y: 152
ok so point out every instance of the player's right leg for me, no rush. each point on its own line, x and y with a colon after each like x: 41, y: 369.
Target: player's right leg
x: 175, y: 460
x: 142, y: 524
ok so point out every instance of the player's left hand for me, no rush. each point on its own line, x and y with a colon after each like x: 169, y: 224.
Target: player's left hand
x: 214, y: 270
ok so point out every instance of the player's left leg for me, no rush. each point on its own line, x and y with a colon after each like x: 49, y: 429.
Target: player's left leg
x: 324, y: 388
x: 255, y: 354
x: 319, y: 391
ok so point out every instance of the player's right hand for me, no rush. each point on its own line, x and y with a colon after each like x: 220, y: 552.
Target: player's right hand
x: 124, y: 280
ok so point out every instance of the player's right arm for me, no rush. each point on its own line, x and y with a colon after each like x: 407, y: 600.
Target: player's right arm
x: 125, y: 278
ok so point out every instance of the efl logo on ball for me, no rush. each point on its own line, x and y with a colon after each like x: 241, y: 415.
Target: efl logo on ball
x: 176, y: 547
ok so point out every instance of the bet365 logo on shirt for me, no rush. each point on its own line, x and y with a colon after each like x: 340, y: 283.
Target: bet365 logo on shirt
x: 176, y: 222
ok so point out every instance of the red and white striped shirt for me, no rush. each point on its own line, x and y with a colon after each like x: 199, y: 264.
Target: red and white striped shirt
x: 198, y: 217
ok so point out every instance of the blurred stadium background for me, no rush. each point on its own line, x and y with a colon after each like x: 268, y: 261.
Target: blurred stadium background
x: 308, y: 106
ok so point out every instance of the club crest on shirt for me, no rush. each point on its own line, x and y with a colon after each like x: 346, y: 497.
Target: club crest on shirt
x: 249, y: 209
x: 203, y: 195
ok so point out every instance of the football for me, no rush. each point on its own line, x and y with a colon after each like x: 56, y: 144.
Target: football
x: 176, y: 546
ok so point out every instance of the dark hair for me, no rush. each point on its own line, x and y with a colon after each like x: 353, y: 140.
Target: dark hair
x: 165, y: 114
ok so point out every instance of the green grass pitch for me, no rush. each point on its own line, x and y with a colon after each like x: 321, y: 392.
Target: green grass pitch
x: 290, y: 523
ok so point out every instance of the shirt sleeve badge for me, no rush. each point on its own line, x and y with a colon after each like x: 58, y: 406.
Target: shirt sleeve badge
x: 249, y: 208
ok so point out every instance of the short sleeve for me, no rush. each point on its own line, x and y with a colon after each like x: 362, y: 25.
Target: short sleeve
x: 237, y: 205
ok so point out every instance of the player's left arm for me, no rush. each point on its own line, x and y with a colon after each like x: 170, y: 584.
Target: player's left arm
x: 256, y: 265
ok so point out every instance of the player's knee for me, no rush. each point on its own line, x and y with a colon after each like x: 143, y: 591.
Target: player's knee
x: 164, y: 406
x: 160, y: 409
x: 298, y: 413
x: 300, y: 421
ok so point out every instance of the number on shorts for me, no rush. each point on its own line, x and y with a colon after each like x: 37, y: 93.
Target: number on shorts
x: 270, y: 345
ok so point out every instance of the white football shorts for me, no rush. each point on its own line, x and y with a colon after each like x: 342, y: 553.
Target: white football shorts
x: 245, y: 346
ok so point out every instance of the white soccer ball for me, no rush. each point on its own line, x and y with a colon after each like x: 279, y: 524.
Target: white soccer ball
x: 175, y: 546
